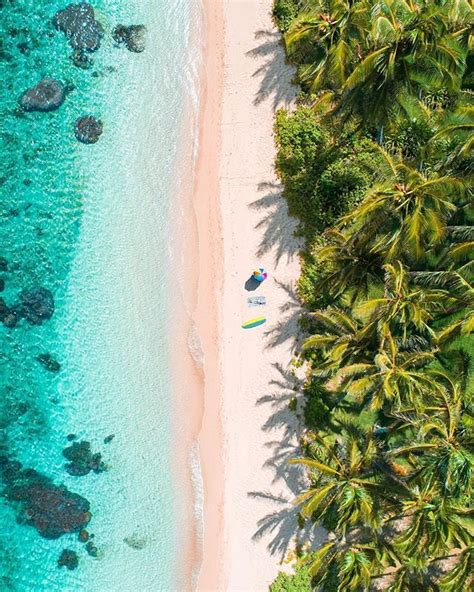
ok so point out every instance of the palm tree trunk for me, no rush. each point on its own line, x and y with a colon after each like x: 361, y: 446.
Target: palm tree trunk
x: 380, y: 135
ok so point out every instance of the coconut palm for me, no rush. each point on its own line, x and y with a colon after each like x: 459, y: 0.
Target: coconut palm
x: 411, y: 51
x: 344, y: 487
x: 340, y: 338
x: 435, y: 525
x: 390, y: 377
x: 352, y: 264
x: 460, y: 578
x: 404, y: 311
x: 407, y: 213
x: 341, y: 565
x: 332, y: 32
x: 444, y: 441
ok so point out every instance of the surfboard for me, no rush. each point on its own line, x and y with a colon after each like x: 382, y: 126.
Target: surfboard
x: 254, y: 323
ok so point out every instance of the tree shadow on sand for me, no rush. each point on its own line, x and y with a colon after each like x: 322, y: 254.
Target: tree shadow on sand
x: 275, y: 73
x: 281, y: 525
x: 278, y: 227
x: 287, y: 328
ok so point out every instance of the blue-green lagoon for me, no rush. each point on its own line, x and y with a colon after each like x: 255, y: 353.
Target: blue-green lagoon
x: 90, y: 224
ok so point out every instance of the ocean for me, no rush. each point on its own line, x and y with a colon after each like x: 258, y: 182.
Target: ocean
x: 88, y: 226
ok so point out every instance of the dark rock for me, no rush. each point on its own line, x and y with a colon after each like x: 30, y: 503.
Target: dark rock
x: 47, y: 95
x: 132, y: 36
x: 69, y: 559
x: 71, y: 437
x: 78, y: 23
x: 37, y: 305
x: 53, y: 510
x: 8, y: 316
x: 88, y: 129
x: 82, y: 460
x: 3, y: 264
x: 4, y: 310
x: 2, y: 285
x: 49, y: 362
x: 91, y: 549
x: 109, y: 438
x: 23, y: 47
x: 83, y: 536
x: 82, y: 60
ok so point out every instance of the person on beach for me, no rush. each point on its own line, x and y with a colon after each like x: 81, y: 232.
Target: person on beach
x: 260, y: 275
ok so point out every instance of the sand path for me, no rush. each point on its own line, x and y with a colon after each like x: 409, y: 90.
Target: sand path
x: 245, y: 540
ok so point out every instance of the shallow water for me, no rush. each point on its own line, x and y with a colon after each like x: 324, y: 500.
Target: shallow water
x: 91, y: 224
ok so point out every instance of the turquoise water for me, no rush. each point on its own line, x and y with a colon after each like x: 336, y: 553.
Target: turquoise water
x: 91, y: 224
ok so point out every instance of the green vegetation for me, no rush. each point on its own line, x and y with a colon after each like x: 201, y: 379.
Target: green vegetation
x: 377, y: 163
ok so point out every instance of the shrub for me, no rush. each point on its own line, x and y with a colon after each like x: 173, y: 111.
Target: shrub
x: 300, y: 581
x: 284, y: 12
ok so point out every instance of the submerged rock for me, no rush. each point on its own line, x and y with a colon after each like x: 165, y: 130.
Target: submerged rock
x: 47, y: 95
x: 2, y: 284
x: 135, y: 542
x: 82, y: 60
x: 88, y: 129
x: 132, y: 36
x: 8, y: 315
x: 109, y: 438
x: 69, y: 559
x: 49, y: 362
x: 83, y: 536
x: 91, y: 549
x: 82, y: 459
x: 4, y: 310
x: 78, y: 23
x: 37, y: 305
x: 3, y: 264
x: 53, y: 510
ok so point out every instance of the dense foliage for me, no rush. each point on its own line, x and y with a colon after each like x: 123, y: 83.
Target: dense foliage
x: 377, y: 163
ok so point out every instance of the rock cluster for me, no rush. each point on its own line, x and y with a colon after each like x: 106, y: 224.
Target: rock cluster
x: 79, y: 25
x: 132, y: 36
x: 36, y: 305
x: 82, y: 460
x: 49, y: 362
x: 69, y: 559
x: 88, y: 129
x: 52, y: 509
x: 47, y: 95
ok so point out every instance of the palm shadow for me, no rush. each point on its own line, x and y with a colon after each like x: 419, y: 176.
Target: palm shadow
x: 275, y: 74
x: 281, y: 525
x: 278, y: 227
x: 287, y: 328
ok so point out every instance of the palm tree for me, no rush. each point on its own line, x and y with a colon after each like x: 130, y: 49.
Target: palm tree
x: 332, y: 33
x: 340, y: 338
x: 341, y: 565
x: 351, y: 263
x: 444, y: 442
x: 403, y: 311
x: 407, y: 213
x: 411, y: 50
x: 460, y: 578
x: 344, y: 488
x: 390, y: 377
x: 435, y: 525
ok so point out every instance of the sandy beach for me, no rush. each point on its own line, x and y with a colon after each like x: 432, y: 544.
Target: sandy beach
x: 247, y: 432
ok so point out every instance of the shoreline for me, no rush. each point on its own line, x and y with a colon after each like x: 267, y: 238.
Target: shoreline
x: 194, y: 351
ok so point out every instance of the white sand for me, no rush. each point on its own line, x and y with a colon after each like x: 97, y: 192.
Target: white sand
x: 249, y: 521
